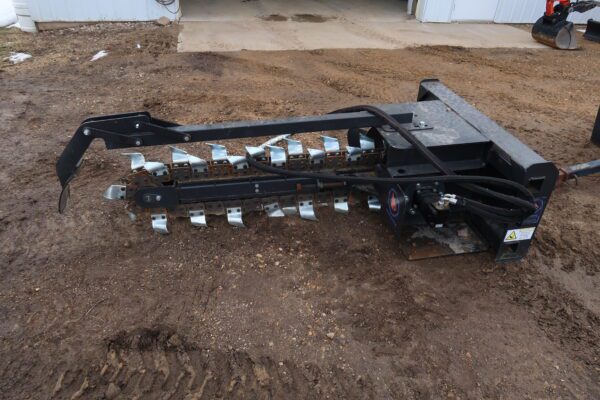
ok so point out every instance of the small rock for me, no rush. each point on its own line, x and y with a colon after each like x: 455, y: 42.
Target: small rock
x: 112, y: 391
x: 127, y: 244
x: 330, y: 335
x: 175, y: 341
x: 163, y: 21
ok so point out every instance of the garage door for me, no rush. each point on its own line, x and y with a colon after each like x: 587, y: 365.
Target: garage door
x: 469, y: 10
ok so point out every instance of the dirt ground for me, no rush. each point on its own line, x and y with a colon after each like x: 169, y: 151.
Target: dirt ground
x: 93, y: 306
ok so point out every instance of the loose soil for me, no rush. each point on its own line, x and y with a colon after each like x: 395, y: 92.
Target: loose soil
x: 93, y: 306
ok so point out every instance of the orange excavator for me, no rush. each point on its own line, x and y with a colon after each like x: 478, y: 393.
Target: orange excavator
x: 553, y: 29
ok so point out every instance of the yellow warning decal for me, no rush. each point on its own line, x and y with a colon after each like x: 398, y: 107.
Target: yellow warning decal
x: 516, y: 235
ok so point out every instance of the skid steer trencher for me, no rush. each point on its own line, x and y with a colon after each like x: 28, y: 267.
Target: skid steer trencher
x: 445, y: 178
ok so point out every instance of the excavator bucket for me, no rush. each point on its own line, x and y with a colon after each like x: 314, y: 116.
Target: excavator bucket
x: 559, y: 34
x: 592, y: 31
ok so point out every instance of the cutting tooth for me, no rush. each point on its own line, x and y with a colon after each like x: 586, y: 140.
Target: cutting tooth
x: 156, y: 168
x: 340, y: 204
x: 197, y: 163
x: 278, y: 157
x: 115, y: 192
x: 178, y: 156
x: 137, y: 160
x: 366, y: 143
x: 273, y: 210
x: 331, y: 144
x: 316, y: 155
x: 374, y: 204
x: 256, y: 152
x: 219, y: 152
x: 306, y: 209
x: 294, y: 147
x: 238, y: 162
x: 159, y: 223
x: 198, y: 218
x: 354, y: 153
x: 234, y: 216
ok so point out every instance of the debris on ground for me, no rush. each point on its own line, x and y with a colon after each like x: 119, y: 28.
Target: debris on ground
x: 99, y: 55
x: 16, y: 58
x: 163, y: 21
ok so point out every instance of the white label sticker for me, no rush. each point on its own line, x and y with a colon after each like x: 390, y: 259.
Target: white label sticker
x: 516, y: 235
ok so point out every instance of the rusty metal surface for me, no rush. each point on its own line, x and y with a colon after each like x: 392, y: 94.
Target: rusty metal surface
x: 422, y: 241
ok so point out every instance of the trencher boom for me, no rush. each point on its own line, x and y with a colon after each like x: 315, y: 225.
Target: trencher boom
x: 445, y: 178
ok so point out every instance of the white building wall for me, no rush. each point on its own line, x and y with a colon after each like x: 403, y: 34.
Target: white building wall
x: 507, y: 11
x: 99, y: 10
x: 434, y: 10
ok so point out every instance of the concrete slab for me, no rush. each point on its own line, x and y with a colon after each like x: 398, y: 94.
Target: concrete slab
x: 232, y: 25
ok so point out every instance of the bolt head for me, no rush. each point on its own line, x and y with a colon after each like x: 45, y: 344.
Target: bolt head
x: 87, y: 132
x: 138, y: 142
x: 138, y: 126
x: 186, y: 138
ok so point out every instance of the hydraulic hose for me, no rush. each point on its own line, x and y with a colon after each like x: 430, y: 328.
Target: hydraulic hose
x: 364, y: 180
x: 439, y: 164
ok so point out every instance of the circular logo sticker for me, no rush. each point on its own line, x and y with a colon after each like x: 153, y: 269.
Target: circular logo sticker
x: 394, y: 202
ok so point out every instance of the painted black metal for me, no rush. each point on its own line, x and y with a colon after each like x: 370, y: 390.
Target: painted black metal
x: 141, y: 130
x: 171, y: 197
x: 506, y: 157
x: 468, y: 142
x: 592, y: 31
x: 596, y: 131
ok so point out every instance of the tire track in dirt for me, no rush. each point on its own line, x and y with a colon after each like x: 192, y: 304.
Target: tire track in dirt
x: 157, y: 363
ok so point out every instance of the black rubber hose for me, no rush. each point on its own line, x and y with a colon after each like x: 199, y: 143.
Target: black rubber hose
x: 492, y: 216
x: 390, y: 181
x: 498, y: 210
x: 503, y: 196
x: 435, y: 161
x: 410, y: 138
